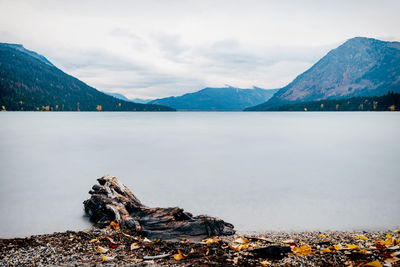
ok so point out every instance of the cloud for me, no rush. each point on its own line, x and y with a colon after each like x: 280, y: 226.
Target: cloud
x: 160, y: 48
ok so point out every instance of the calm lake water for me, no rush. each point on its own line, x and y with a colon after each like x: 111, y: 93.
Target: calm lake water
x: 259, y: 171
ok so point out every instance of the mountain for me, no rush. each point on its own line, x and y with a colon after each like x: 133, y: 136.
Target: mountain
x: 141, y: 100
x: 359, y: 67
x: 28, y: 81
x: 122, y: 97
x: 117, y: 95
x: 217, y: 99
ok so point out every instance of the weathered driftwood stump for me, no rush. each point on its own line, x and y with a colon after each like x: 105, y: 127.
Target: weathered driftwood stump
x: 113, y: 201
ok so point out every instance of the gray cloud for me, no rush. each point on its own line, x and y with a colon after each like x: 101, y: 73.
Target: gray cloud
x: 159, y: 48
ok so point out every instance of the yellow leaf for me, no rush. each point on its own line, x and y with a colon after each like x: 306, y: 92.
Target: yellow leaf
x: 388, y: 236
x: 114, y: 225
x: 361, y: 237
x: 374, y: 264
x: 105, y: 258
x: 243, y: 247
x: 337, y: 247
x: 241, y: 240
x: 363, y: 251
x: 327, y: 250
x: 350, y: 246
x: 101, y: 249
x: 94, y: 240
x: 178, y: 256
x: 322, y: 235
x: 265, y: 263
x: 210, y: 240
x: 302, y: 251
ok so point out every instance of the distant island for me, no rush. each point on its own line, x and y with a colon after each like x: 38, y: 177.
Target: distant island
x: 353, y: 77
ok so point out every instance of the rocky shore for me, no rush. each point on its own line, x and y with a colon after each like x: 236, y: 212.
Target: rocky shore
x: 113, y: 247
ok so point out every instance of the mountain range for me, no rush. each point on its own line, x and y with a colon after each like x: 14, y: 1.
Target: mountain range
x: 122, y: 97
x: 28, y: 81
x: 359, y: 67
x: 217, y: 99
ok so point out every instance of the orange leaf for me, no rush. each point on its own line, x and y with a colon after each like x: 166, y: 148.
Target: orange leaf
x: 327, y: 250
x: 374, y: 264
x: 178, y: 256
x: 114, y: 225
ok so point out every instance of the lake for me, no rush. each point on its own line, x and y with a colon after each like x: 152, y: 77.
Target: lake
x: 259, y: 171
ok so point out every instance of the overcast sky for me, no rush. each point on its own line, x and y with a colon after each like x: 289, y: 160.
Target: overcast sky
x: 152, y: 49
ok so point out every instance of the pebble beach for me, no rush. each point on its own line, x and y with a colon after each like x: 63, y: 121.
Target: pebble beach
x: 114, y: 247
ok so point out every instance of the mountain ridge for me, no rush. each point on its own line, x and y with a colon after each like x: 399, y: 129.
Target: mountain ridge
x: 30, y: 82
x: 217, y: 99
x: 359, y: 67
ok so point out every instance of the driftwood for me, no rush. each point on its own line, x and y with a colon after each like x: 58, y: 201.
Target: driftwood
x: 113, y: 201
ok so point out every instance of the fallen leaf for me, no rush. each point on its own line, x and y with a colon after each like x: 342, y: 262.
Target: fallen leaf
x: 394, y: 254
x: 101, y: 249
x: 115, y: 225
x: 146, y: 240
x: 238, y: 240
x: 265, y: 263
x: 322, y: 235
x: 362, y: 251
x: 326, y: 250
x: 361, y: 237
x: 392, y: 260
x: 350, y: 246
x: 134, y: 246
x: 373, y: 264
x: 94, y: 240
x: 337, y: 247
x: 106, y: 258
x: 210, y: 240
x: 111, y: 242
x: 302, y: 251
x: 178, y: 256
